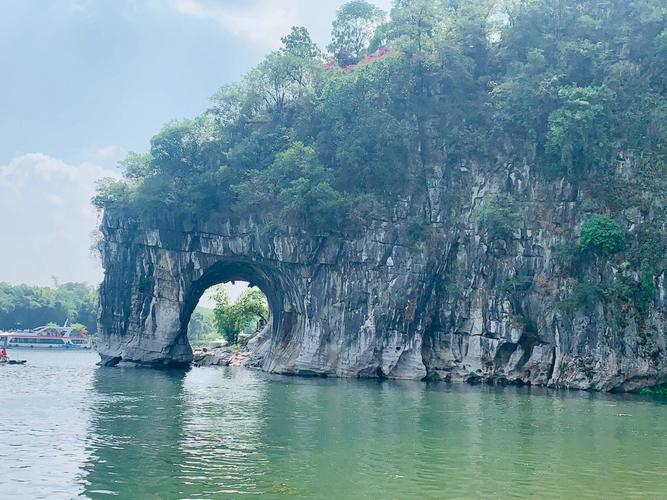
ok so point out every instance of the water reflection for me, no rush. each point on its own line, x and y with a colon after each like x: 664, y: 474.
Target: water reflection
x: 223, y: 433
x: 221, y: 441
x: 137, y: 423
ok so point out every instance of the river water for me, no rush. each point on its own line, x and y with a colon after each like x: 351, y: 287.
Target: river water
x: 72, y: 429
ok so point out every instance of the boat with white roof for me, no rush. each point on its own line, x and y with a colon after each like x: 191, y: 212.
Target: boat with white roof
x: 49, y: 337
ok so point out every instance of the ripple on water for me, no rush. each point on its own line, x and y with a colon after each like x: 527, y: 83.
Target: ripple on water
x: 73, y: 429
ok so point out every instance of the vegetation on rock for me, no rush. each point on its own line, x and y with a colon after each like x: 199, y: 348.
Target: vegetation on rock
x: 660, y: 390
x: 576, y: 90
x: 602, y: 234
x: 574, y: 86
x: 498, y: 216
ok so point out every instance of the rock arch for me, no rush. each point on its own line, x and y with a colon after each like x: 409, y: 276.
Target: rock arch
x: 273, y: 285
x: 338, y: 308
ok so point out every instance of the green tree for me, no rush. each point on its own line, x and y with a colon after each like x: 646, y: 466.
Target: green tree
x: 201, y: 328
x: 352, y: 30
x: 366, y: 128
x: 498, y: 216
x: 111, y: 192
x: 602, y: 234
x: 647, y: 287
x: 413, y: 24
x: 282, y: 78
x: 579, y: 130
x: 230, y: 318
x: 252, y: 305
x: 233, y: 105
x: 223, y: 316
x: 136, y: 166
x: 173, y: 149
x: 299, y: 187
x: 298, y: 43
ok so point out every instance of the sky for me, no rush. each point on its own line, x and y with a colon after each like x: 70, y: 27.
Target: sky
x: 82, y: 82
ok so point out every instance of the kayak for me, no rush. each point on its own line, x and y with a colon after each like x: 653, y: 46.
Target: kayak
x: 17, y: 361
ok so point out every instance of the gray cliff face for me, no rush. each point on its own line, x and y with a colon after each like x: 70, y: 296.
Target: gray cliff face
x: 427, y: 293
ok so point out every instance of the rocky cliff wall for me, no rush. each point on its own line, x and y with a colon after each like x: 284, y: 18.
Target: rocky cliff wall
x: 428, y: 292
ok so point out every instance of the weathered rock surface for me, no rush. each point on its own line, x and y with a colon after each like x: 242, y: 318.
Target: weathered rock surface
x: 215, y: 357
x: 426, y: 293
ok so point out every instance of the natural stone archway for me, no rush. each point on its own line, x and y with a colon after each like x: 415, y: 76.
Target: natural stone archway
x: 230, y: 270
x: 327, y: 297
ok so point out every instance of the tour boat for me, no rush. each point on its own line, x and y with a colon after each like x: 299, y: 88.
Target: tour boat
x: 48, y: 336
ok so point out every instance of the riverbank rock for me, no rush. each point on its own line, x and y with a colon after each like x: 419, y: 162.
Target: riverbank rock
x: 214, y: 357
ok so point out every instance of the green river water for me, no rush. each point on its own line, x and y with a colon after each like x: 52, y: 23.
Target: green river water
x: 72, y: 429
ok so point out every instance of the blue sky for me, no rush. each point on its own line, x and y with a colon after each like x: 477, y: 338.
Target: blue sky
x: 85, y: 81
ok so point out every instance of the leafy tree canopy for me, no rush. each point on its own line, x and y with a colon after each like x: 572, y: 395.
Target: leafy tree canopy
x: 603, y: 234
x: 352, y: 30
x: 231, y: 318
x: 572, y: 87
x: 201, y: 329
x: 298, y: 43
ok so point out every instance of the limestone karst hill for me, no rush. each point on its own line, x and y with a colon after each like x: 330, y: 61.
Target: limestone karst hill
x: 475, y: 194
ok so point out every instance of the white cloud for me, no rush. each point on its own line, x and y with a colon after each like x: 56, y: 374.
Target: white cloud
x: 105, y: 155
x: 260, y: 21
x: 46, y: 220
x: 265, y: 21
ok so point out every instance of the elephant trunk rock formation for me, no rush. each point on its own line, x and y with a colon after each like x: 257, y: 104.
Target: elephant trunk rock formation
x: 426, y: 294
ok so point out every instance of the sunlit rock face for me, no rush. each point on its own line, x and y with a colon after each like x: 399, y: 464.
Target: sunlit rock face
x: 426, y: 293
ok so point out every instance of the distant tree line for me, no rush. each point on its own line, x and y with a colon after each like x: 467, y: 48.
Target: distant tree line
x: 25, y: 307
x: 201, y: 330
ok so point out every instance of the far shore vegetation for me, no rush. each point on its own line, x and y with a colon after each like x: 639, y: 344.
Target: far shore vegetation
x: 23, y: 307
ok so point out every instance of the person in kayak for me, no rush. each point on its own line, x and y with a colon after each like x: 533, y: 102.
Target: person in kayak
x: 3, y: 354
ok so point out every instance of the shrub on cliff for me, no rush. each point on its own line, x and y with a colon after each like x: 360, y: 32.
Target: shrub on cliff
x: 602, y: 234
x: 498, y: 216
